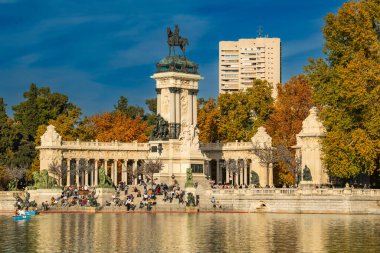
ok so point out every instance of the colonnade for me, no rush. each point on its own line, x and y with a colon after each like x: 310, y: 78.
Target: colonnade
x: 231, y: 171
x: 81, y: 171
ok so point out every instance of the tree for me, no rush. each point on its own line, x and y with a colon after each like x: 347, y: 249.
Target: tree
x: 346, y: 85
x: 150, y: 167
x: 15, y: 173
x: 241, y: 113
x: 290, y: 109
x: 130, y: 110
x: 208, y: 119
x: 118, y: 126
x: 39, y: 106
x: 57, y: 170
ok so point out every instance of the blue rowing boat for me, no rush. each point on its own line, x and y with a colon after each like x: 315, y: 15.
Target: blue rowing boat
x: 31, y: 213
x: 21, y: 217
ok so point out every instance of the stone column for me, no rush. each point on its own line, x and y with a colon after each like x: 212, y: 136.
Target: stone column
x: 77, y: 172
x: 158, y: 101
x: 241, y: 179
x: 68, y: 172
x: 194, y: 108
x: 124, y: 171
x: 217, y: 171
x: 134, y: 170
x: 189, y: 107
x: 178, y: 107
x: 227, y: 173
x: 96, y: 173
x: 86, y: 172
x: 245, y: 172
x: 172, y: 105
x: 105, y: 166
x: 113, y: 171
x: 270, y: 175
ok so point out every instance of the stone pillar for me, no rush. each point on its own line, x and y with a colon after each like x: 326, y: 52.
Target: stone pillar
x: 241, y: 172
x: 68, y: 172
x: 86, y: 172
x: 178, y: 107
x: 96, y: 173
x: 195, y: 108
x: 77, y: 172
x: 245, y: 172
x: 227, y: 173
x: 105, y: 166
x: 134, y: 168
x: 270, y: 175
x: 158, y: 101
x: 172, y: 106
x: 190, y: 108
x: 217, y: 171
x: 113, y: 171
x: 125, y: 171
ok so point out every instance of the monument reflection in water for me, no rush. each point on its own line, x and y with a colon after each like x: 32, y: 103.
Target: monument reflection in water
x: 191, y: 233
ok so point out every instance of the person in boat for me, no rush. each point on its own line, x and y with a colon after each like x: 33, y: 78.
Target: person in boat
x: 21, y: 212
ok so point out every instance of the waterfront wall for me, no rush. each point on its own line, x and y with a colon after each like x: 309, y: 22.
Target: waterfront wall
x: 272, y: 200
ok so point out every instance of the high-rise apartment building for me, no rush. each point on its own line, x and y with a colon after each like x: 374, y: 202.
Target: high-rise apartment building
x: 242, y: 61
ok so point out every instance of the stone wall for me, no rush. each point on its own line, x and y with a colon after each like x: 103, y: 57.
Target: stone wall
x: 345, y: 201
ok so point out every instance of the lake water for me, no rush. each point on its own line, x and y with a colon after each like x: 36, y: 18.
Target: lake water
x: 191, y: 233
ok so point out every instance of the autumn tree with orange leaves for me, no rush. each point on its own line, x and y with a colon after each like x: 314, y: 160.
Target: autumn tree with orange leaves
x: 111, y: 126
x: 290, y: 109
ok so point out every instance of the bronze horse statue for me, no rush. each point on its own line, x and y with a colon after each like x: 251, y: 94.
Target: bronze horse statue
x: 174, y: 39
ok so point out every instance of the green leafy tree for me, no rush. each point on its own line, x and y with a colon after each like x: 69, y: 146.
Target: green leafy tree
x: 241, y: 113
x: 130, y: 110
x: 346, y: 85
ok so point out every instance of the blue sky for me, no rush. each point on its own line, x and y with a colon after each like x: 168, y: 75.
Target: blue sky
x: 95, y: 51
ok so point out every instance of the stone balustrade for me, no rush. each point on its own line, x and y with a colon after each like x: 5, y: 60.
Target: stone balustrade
x: 298, y: 191
x: 226, y: 146
x: 106, y: 145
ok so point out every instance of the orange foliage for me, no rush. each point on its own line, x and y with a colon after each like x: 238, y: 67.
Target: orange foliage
x: 118, y: 126
x: 291, y: 108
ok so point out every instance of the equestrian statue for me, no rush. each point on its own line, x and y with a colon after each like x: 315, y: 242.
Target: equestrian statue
x: 174, y: 39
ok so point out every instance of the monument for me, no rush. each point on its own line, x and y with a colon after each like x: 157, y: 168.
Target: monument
x: 175, y: 138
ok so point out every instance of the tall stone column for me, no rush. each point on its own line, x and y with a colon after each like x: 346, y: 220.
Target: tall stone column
x: 158, y: 101
x: 134, y: 168
x: 241, y: 174
x: 113, y: 171
x: 68, y: 172
x: 217, y: 171
x: 172, y: 106
x: 77, y: 172
x: 105, y: 166
x: 227, y: 172
x: 270, y: 175
x: 245, y: 172
x: 96, y: 173
x: 124, y: 171
x: 189, y: 107
x: 86, y: 172
x: 194, y: 108
x: 178, y: 107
